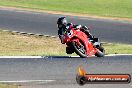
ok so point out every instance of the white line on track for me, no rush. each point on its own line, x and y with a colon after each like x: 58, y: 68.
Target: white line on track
x: 118, y: 55
x: 28, y: 81
x: 21, y: 56
x: 51, y: 56
x: 110, y: 55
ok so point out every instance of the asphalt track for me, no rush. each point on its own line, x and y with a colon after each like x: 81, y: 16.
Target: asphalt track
x: 44, y: 23
x: 61, y: 72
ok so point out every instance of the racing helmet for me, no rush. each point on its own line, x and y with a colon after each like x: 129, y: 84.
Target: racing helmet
x: 61, y: 22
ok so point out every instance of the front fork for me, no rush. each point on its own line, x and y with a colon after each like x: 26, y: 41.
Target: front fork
x: 69, y: 48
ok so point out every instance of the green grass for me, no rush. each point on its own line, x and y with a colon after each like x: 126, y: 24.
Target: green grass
x: 12, y: 44
x: 7, y: 86
x: 112, y: 8
x: 117, y: 48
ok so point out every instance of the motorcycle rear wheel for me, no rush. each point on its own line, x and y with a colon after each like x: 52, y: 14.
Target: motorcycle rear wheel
x: 100, y: 52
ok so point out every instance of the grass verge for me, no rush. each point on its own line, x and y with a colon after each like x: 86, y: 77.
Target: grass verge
x: 7, y: 86
x: 110, y: 8
x: 13, y: 44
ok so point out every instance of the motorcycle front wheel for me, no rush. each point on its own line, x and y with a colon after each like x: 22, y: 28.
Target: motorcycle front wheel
x: 79, y: 49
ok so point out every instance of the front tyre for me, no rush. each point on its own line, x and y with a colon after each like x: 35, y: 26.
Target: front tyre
x: 79, y: 49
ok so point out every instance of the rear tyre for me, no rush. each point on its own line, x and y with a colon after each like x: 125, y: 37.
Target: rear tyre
x: 100, y: 52
x: 80, y: 50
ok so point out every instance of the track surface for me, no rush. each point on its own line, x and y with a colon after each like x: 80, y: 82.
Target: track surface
x: 62, y: 70
x: 44, y: 23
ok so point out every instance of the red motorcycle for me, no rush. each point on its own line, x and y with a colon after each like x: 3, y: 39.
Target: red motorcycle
x: 78, y: 42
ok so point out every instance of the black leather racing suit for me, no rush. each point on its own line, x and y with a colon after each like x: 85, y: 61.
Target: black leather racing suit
x: 84, y: 29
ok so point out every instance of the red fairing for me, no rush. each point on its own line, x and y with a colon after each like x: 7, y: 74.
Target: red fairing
x: 75, y: 35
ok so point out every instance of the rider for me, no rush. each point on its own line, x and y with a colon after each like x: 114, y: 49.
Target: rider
x: 63, y: 26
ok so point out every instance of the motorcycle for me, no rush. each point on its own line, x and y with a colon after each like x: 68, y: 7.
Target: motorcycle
x: 78, y: 42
